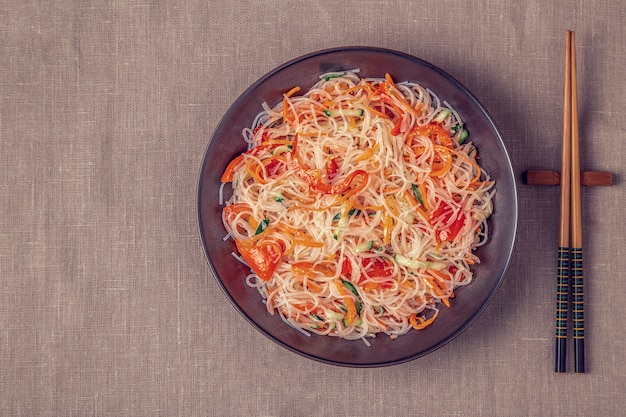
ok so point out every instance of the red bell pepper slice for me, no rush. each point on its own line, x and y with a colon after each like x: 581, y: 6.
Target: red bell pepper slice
x: 377, y: 267
x: 234, y: 165
x: 313, y: 177
x: 231, y: 168
x: 450, y: 232
x: 433, y: 131
x: 332, y: 169
x: 263, y: 256
x: 374, y: 268
x: 235, y: 209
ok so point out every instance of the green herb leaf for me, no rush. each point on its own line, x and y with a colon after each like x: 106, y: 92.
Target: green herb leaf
x: 417, y: 193
x: 262, y: 226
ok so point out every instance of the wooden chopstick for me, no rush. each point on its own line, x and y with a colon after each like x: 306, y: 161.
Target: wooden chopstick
x: 576, y: 244
x: 563, y: 255
x: 570, y: 206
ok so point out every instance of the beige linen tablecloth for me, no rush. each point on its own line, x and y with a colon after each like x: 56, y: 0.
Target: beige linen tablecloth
x: 107, y: 304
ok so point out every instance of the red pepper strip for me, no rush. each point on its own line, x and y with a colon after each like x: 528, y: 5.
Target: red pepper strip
x: 263, y: 256
x: 313, y: 177
x: 232, y: 210
x: 454, y: 228
x: 237, y: 208
x: 385, y: 98
x: 230, y: 170
x: 377, y: 267
x: 433, y: 131
x: 389, y: 87
x: 331, y: 168
x: 395, y: 131
x: 346, y: 269
x: 232, y: 167
x: 450, y: 232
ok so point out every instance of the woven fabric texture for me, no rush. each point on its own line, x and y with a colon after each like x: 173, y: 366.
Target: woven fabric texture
x: 107, y: 304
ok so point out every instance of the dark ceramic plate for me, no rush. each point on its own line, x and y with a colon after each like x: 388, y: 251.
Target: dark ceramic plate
x: 470, y: 301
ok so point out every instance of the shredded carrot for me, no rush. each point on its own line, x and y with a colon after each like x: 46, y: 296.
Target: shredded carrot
x: 377, y: 113
x: 420, y: 210
x: 292, y: 91
x: 304, y: 307
x: 371, y: 286
x: 313, y: 286
x: 400, y: 97
x: 309, y: 208
x: 298, y: 237
x: 475, y: 185
x: 293, y: 231
x: 410, y: 197
x: 442, y: 168
x: 309, y: 243
x: 387, y: 227
x: 269, y: 159
x: 289, y: 248
x: 382, y: 325
x: 439, y: 275
x: 359, y: 88
x: 413, y: 319
x: 368, y: 153
x: 375, y: 208
x: 254, y: 172
x: 465, y: 157
x: 351, y: 314
x: 229, y: 172
x: 310, y: 269
x: 392, y: 190
x: 393, y: 205
x: 390, y: 81
x: 352, y: 122
x: 285, y: 108
x: 435, y: 287
x: 275, y: 142
x: 346, y: 208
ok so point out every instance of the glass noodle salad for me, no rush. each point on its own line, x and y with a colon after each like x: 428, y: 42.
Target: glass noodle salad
x: 357, y: 206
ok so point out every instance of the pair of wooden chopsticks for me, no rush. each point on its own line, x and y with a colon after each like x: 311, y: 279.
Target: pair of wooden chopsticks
x: 570, y: 255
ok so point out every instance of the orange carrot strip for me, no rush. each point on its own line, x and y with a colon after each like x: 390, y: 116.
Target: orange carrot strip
x: 368, y: 153
x: 351, y: 314
x: 422, y: 323
x: 378, y: 113
x: 292, y: 91
x: 466, y: 158
x: 433, y: 284
x: 400, y: 97
x: 308, y: 242
x: 387, y: 227
x: 391, y: 190
x: 445, y: 166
